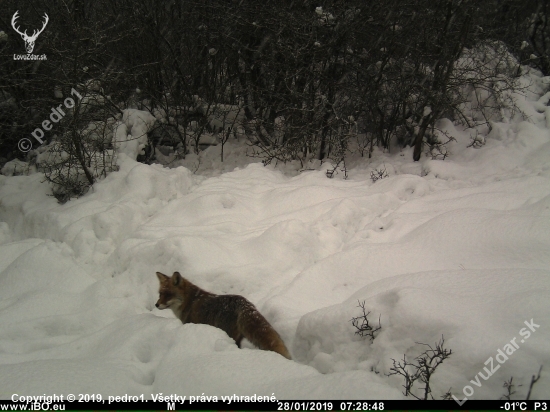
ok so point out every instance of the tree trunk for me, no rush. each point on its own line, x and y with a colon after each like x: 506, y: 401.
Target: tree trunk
x: 420, y: 137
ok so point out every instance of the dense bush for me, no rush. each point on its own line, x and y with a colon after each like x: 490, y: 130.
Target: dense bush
x: 300, y: 79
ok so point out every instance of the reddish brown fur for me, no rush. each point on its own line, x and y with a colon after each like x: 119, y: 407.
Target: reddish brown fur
x: 232, y: 313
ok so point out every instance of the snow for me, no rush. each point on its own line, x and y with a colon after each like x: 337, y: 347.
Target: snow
x: 455, y: 248
x: 131, y: 131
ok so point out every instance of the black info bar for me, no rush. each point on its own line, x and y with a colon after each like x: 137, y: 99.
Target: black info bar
x: 169, y: 404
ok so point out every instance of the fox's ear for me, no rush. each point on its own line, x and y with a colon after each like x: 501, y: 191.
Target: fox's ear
x: 162, y: 277
x: 176, y: 278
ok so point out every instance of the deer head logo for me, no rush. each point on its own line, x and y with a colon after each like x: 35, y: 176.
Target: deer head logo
x: 29, y: 40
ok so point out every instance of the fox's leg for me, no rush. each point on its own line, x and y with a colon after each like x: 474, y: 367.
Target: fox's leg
x: 238, y: 341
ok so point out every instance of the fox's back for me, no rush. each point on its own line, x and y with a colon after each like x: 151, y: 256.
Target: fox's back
x: 221, y: 311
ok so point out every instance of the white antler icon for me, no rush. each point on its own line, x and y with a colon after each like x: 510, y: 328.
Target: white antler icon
x: 29, y: 40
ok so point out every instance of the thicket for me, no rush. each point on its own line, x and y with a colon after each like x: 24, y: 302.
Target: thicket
x: 300, y: 79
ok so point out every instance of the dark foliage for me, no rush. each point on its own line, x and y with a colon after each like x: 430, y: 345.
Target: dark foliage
x: 306, y: 78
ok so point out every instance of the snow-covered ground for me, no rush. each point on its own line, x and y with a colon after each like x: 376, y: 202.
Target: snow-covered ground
x: 457, y: 248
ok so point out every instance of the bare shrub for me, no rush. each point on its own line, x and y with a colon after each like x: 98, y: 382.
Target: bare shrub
x: 421, y: 369
x: 378, y: 174
x: 361, y: 323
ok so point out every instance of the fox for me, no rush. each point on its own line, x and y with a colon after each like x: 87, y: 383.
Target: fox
x: 234, y: 314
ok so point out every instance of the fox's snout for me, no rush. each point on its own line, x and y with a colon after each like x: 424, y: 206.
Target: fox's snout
x: 160, y: 305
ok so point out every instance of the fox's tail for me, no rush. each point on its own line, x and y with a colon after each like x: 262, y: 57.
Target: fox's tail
x: 257, y: 330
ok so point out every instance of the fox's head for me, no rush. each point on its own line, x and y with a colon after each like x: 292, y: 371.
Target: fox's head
x: 169, y: 293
